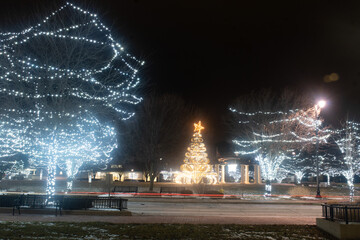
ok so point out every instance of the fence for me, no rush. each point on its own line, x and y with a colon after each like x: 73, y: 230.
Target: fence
x: 109, y: 202
x: 126, y: 189
x: 337, y: 212
x: 61, y: 202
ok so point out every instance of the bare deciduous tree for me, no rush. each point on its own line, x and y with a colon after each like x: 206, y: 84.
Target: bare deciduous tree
x: 157, y: 133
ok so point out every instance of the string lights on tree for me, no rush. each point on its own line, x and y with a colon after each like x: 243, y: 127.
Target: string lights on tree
x: 10, y: 167
x: 70, y: 145
x: 196, y: 168
x: 273, y: 136
x: 53, y: 76
x: 348, y: 141
x: 234, y: 172
x: 11, y: 136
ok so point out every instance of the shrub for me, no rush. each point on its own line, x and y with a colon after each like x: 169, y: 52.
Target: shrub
x: 186, y: 191
x: 299, y: 190
x: 76, y: 203
x: 215, y: 192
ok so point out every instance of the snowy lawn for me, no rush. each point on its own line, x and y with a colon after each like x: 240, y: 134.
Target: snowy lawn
x: 97, y: 230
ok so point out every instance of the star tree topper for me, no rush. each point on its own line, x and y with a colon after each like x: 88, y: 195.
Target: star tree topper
x: 198, y: 127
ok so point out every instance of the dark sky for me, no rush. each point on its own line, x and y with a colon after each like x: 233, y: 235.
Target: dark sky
x: 210, y: 51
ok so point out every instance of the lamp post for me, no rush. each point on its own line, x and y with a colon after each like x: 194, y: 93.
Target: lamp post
x: 318, y: 108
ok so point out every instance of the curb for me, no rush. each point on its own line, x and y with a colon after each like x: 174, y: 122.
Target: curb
x: 66, y: 212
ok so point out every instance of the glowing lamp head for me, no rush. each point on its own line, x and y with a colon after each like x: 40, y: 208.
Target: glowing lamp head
x: 321, y: 104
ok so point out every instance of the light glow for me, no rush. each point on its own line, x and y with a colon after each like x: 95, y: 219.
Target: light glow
x: 321, y: 104
x: 196, y: 168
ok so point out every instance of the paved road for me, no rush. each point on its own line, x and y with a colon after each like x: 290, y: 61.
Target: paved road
x: 231, y: 213
x: 224, y: 210
x: 195, y: 213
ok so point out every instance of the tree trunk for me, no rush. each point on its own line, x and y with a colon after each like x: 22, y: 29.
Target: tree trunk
x: 350, y: 182
x: 267, y: 188
x: 50, y: 188
x: 69, y: 184
x: 152, y: 176
x: 328, y: 179
x: 298, y: 175
x: 152, y: 180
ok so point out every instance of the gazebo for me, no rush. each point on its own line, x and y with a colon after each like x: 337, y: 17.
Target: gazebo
x: 244, y: 169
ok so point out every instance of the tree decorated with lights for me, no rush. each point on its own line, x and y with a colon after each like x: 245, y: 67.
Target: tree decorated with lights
x: 272, y: 128
x: 348, y: 141
x: 234, y: 172
x: 329, y: 165
x: 70, y: 145
x: 298, y: 165
x: 12, y: 139
x: 10, y: 166
x: 196, y: 168
x: 53, y: 75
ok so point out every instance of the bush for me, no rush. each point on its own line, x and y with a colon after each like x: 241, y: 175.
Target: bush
x: 76, y: 203
x: 186, y: 191
x: 299, y: 190
x: 215, y: 192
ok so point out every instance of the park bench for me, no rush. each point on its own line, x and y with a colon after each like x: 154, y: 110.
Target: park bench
x: 59, y: 202
x: 126, y: 189
x: 7, y: 200
x: 36, y: 202
x: 172, y: 189
x: 77, y: 203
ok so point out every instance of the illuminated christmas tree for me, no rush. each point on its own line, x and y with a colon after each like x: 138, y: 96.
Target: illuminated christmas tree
x: 196, y: 167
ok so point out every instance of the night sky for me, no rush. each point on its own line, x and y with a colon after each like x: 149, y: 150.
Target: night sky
x: 210, y: 52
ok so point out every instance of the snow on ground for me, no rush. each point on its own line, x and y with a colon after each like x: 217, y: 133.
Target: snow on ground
x: 70, y: 231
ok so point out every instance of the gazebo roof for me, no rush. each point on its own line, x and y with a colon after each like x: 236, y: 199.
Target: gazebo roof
x: 246, y: 161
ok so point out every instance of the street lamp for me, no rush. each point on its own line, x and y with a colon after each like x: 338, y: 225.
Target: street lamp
x: 321, y: 104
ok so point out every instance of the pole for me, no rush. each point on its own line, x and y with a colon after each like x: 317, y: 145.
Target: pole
x: 317, y: 154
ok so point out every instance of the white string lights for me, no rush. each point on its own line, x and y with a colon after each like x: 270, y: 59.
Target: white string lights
x: 10, y: 167
x: 348, y: 141
x: 272, y: 137
x: 91, y: 67
x: 297, y: 164
x: 52, y: 76
x: 234, y: 172
x: 11, y: 136
x: 69, y: 145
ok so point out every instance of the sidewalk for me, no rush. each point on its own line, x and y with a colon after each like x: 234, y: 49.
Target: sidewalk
x: 228, y: 201
x: 161, y: 219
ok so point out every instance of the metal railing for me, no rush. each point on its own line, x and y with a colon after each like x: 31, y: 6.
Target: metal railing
x: 126, y: 189
x: 75, y: 203
x: 171, y: 189
x: 109, y: 202
x: 61, y: 202
x: 35, y: 201
x: 345, y: 213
